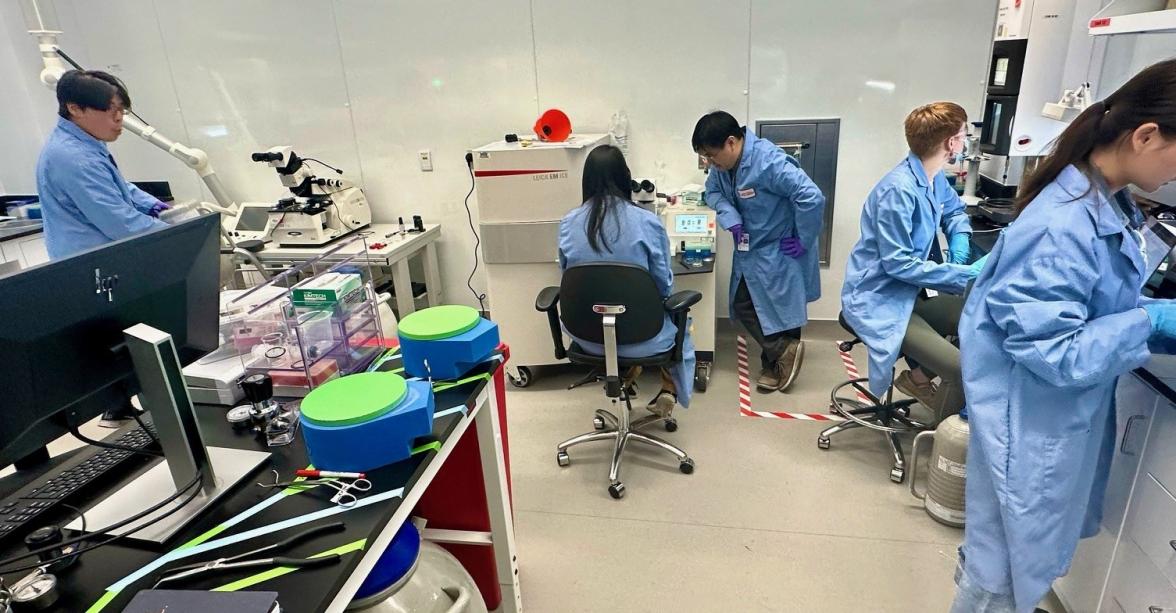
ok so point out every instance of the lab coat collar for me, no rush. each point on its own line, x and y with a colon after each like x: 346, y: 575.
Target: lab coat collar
x: 916, y: 167
x: 1078, y: 185
x: 745, y: 160
x: 77, y: 132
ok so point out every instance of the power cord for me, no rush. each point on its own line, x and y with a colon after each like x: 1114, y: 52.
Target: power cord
x: 106, y: 531
x: 73, y: 430
x: 481, y: 298
x: 81, y: 515
x: 317, y: 161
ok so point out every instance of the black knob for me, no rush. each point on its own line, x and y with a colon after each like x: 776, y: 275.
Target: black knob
x: 258, y: 388
x: 43, y: 537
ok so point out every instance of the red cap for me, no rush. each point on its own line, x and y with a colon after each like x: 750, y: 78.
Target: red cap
x: 553, y: 126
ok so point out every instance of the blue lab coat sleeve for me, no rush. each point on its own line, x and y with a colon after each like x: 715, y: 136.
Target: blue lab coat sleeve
x: 955, y: 219
x: 1041, y: 301
x: 808, y: 201
x: 894, y: 228
x: 141, y: 200
x: 92, y: 185
x: 726, y: 213
x: 659, y: 258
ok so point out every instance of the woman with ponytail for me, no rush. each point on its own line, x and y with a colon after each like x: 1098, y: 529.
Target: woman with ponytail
x: 1051, y: 323
x: 608, y: 227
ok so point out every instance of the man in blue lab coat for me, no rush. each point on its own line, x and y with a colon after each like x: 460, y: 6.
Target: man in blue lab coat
x: 774, y: 212
x: 85, y: 201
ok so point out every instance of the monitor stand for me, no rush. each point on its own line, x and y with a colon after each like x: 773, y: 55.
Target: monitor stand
x: 166, y: 397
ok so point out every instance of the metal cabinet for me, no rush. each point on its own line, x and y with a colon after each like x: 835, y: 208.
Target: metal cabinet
x: 1143, y: 569
x: 1081, y: 589
x: 813, y: 142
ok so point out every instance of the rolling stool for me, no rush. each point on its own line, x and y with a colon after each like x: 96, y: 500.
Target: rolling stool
x: 615, y: 304
x: 889, y: 417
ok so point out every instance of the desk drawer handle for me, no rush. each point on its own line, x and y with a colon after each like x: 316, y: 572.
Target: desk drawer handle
x: 1127, y: 434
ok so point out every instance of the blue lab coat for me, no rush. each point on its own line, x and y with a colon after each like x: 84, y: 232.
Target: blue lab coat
x: 85, y: 201
x: 888, y: 265
x: 1051, y: 323
x: 636, y: 237
x: 772, y: 198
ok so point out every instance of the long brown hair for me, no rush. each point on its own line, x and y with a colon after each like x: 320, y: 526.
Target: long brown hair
x: 1149, y: 97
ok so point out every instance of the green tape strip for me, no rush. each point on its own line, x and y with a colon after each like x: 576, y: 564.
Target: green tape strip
x: 107, y: 597
x: 200, y: 540
x: 203, y: 537
x: 397, y: 371
x: 274, y: 573
x: 441, y: 387
x: 435, y: 446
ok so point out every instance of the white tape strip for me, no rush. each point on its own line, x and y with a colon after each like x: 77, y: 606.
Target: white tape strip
x: 244, y: 536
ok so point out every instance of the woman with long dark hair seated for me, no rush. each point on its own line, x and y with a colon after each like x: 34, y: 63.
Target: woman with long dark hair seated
x: 607, y: 227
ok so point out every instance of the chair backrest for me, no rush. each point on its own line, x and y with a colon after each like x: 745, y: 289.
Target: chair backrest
x: 610, y: 283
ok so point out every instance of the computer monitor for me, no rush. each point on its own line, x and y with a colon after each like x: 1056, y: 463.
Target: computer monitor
x: 63, y: 356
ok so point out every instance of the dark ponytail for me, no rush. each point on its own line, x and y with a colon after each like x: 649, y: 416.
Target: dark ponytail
x: 1149, y: 97
x: 606, y: 179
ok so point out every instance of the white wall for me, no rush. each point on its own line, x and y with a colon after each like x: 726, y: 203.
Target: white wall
x: 365, y: 84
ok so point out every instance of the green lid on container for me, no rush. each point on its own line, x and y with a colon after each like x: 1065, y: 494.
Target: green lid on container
x: 354, y: 399
x: 439, y: 322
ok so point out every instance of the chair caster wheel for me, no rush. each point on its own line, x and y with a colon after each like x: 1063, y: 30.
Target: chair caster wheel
x: 823, y: 442
x: 562, y: 458
x: 686, y: 466
x: 671, y: 425
x: 897, y: 475
x: 617, y: 490
x: 598, y: 423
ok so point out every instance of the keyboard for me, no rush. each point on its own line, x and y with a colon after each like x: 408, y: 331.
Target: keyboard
x: 77, y: 477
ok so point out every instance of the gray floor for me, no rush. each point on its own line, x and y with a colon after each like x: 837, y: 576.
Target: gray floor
x: 767, y: 522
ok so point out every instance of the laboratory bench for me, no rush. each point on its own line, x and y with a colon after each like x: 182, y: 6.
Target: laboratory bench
x: 23, y: 241
x: 389, y: 250
x: 457, y: 479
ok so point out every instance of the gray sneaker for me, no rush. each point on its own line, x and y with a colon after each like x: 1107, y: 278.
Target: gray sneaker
x: 789, y: 365
x: 662, y: 404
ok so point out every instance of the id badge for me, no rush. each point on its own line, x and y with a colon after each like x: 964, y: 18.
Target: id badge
x: 744, y: 242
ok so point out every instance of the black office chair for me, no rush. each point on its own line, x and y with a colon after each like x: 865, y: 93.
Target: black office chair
x: 885, y: 415
x: 615, y: 304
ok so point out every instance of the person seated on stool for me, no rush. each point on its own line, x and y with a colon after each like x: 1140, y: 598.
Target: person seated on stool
x: 608, y: 227
x: 890, y: 265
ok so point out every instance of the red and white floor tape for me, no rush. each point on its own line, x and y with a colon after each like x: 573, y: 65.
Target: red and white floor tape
x: 745, y: 388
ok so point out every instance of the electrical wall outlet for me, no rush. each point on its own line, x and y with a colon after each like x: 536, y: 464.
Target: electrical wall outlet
x: 426, y: 158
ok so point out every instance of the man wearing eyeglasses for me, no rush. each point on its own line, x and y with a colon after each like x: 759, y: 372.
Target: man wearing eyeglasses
x: 85, y: 201
x: 774, y: 212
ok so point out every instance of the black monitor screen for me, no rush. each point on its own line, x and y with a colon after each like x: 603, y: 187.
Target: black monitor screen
x: 61, y: 341
x: 253, y: 218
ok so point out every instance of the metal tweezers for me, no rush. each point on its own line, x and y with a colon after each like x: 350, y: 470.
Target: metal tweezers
x: 240, y: 561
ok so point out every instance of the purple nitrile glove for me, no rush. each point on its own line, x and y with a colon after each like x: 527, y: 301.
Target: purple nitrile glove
x: 157, y: 208
x: 792, y: 247
x: 736, y: 232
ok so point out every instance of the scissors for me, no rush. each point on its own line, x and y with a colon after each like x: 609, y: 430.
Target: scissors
x: 255, y: 558
x: 344, y: 490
